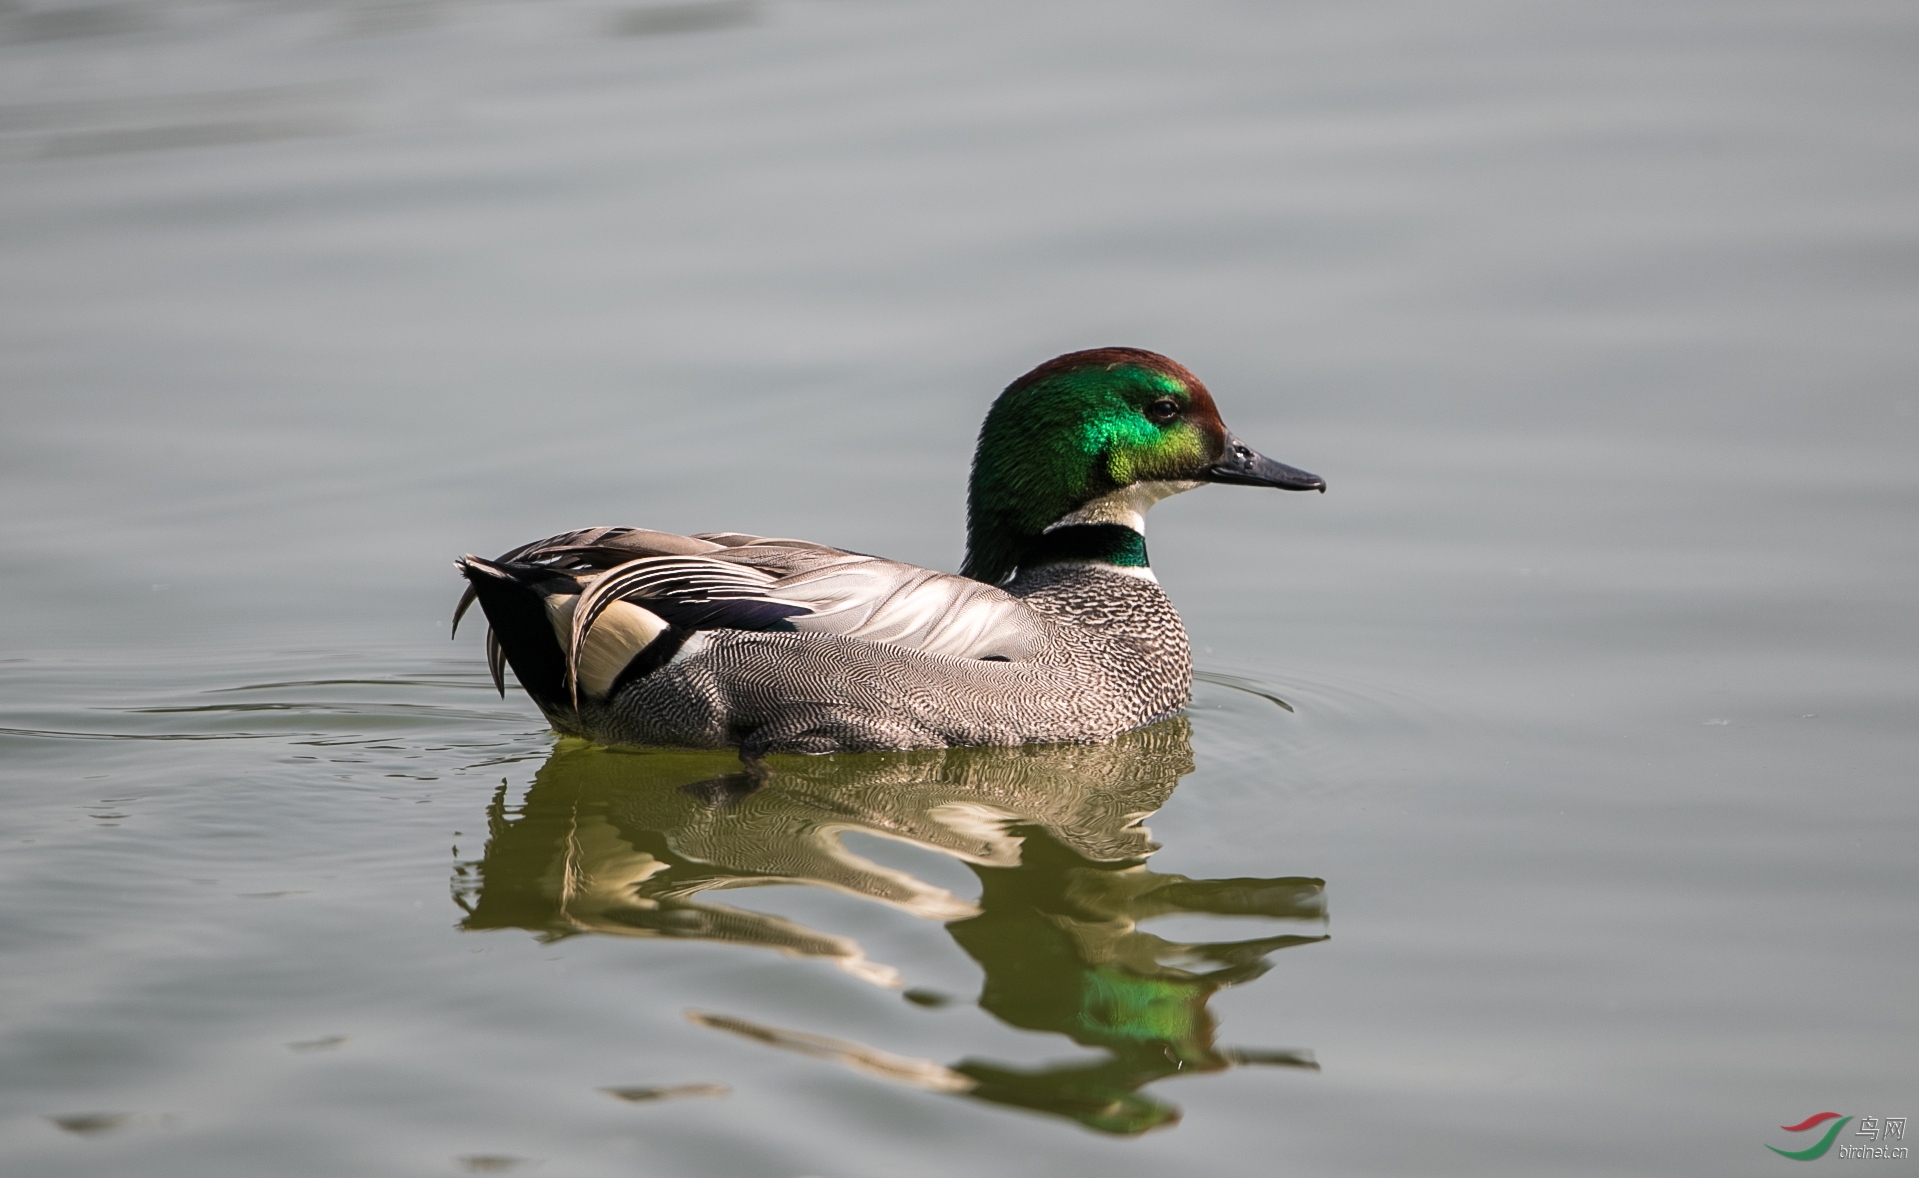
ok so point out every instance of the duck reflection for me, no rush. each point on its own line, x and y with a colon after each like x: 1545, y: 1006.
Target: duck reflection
x: 629, y: 844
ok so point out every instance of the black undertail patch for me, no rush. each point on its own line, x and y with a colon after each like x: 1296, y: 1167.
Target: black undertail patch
x: 513, y: 599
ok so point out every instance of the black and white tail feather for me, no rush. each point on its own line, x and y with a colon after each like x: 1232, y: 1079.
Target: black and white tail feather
x: 590, y: 611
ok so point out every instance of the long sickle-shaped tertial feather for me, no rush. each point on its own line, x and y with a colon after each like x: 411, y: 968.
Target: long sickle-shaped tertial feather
x: 466, y: 602
x: 496, y: 660
x: 715, y: 591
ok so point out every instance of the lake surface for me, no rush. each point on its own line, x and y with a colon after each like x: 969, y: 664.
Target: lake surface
x: 1584, y: 846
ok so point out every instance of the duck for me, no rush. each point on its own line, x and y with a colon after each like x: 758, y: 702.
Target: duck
x: 1054, y: 631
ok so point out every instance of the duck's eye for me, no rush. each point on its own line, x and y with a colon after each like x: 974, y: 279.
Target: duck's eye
x: 1163, y: 410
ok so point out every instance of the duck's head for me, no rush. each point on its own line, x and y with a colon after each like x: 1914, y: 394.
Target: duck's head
x: 1073, y: 453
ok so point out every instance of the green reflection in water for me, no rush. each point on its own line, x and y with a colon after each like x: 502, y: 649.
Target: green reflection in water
x: 627, y: 843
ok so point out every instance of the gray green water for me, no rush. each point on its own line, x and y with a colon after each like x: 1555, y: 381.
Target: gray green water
x: 1601, y: 321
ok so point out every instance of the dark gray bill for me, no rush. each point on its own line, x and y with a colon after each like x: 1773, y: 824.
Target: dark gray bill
x: 1247, y: 467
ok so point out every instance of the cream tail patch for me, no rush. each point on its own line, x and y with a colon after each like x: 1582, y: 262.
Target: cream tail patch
x: 623, y: 631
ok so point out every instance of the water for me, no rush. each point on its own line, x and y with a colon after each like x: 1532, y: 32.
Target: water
x: 1585, y: 849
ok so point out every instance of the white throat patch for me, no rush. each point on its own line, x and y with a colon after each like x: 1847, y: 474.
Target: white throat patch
x: 1126, y: 506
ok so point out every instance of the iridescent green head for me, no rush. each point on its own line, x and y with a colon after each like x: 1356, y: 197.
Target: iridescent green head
x: 1074, y: 452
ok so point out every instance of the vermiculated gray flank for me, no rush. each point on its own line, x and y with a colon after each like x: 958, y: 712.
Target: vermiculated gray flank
x: 1109, y: 655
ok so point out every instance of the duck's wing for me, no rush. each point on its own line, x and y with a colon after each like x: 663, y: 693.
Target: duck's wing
x: 794, y: 584
x: 879, y: 600
x: 734, y: 581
